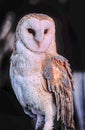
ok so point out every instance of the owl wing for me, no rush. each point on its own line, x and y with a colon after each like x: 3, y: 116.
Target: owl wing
x: 57, y: 74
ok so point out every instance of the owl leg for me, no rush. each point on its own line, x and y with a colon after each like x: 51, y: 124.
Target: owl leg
x: 39, y: 122
x: 48, y: 125
x: 49, y: 118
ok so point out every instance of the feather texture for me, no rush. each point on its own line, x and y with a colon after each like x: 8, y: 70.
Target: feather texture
x: 57, y: 72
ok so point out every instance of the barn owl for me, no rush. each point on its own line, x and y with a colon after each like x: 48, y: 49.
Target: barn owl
x: 40, y: 77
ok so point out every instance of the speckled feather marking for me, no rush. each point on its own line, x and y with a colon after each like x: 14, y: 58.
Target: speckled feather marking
x: 59, y: 79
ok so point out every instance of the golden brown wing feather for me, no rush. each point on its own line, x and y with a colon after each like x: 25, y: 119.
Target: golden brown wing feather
x: 58, y: 75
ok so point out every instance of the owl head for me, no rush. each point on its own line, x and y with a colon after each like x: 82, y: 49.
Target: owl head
x: 36, y: 32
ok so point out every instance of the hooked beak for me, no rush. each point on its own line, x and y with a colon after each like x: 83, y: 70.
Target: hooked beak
x: 38, y: 43
x: 39, y: 38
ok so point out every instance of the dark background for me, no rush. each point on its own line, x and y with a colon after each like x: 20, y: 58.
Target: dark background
x: 69, y: 21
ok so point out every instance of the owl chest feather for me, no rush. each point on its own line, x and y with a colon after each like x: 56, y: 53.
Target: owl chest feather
x: 28, y: 82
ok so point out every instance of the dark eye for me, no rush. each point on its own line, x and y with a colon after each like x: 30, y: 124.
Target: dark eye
x: 30, y: 30
x: 45, y: 31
